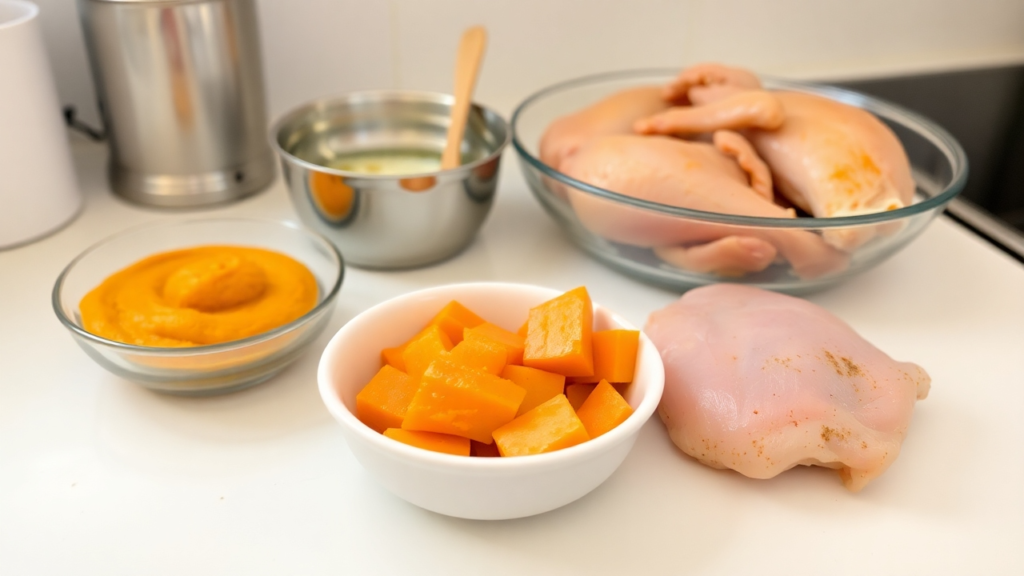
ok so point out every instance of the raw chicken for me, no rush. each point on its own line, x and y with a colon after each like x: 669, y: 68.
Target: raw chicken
x: 760, y: 382
x: 613, y: 115
x: 691, y: 175
x: 727, y: 256
x: 828, y: 158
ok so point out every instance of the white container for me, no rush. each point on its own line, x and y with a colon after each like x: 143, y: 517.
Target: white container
x: 38, y: 191
x: 465, y: 487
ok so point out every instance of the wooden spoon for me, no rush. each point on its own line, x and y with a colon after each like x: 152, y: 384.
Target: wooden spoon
x: 467, y: 65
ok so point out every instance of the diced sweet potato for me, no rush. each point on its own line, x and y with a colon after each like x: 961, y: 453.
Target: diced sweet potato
x: 383, y: 402
x: 522, y: 329
x: 481, y: 450
x: 393, y: 357
x: 551, y: 426
x: 559, y: 335
x: 430, y: 345
x: 603, y: 410
x: 454, y: 318
x: 514, y: 343
x: 540, y: 386
x: 483, y: 354
x: 446, y: 443
x: 614, y: 356
x: 453, y: 399
x: 578, y: 393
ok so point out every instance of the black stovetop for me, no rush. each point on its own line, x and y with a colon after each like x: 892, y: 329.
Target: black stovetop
x: 984, y: 110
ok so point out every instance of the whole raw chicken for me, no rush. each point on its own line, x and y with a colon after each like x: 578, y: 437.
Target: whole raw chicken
x: 828, y: 158
x: 726, y: 177
x: 760, y: 382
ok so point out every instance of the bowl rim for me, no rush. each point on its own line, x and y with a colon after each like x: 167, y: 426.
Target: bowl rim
x: 592, y: 448
x: 937, y: 135
x: 384, y: 94
x: 77, y: 330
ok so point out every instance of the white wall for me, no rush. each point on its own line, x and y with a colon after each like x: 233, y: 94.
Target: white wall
x: 316, y: 47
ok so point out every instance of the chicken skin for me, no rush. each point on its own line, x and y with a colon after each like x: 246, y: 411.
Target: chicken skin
x: 828, y: 158
x: 613, y: 115
x: 760, y: 382
x: 726, y: 177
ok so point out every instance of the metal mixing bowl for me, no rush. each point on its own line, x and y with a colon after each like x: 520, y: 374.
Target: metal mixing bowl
x: 389, y: 221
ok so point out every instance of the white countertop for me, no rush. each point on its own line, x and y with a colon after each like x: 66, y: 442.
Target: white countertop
x: 98, y: 476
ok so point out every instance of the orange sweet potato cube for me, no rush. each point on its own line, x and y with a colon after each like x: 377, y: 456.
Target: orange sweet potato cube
x: 513, y: 343
x: 382, y: 403
x: 446, y: 443
x: 522, y: 329
x: 551, y: 426
x: 577, y: 394
x: 540, y: 386
x: 453, y: 399
x: 482, y: 354
x: 454, y: 318
x: 603, y: 410
x: 559, y: 336
x: 428, y: 346
x: 481, y: 450
x: 393, y: 357
x: 614, y: 356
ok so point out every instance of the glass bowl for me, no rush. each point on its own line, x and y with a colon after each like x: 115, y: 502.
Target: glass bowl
x: 938, y: 164
x: 216, y: 368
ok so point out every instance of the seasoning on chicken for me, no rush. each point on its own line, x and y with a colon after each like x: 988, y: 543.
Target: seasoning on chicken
x: 760, y: 382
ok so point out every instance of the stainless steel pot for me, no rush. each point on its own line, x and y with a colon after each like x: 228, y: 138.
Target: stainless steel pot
x: 389, y: 221
x: 180, y: 87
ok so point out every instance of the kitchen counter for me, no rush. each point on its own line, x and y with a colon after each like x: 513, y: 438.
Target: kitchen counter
x: 99, y: 476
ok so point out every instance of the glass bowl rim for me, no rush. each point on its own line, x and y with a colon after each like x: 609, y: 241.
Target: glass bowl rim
x: 209, y: 348
x: 396, y: 95
x: 931, y: 131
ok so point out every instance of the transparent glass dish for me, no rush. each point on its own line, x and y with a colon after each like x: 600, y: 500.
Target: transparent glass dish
x: 938, y: 163
x: 201, y: 370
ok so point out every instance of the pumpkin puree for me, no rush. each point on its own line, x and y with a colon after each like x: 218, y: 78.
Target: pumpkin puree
x: 199, y: 296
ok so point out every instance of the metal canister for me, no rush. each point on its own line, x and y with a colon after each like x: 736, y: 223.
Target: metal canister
x: 180, y: 86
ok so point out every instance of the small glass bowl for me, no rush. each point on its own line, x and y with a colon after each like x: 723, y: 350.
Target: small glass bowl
x: 200, y: 370
x: 938, y: 163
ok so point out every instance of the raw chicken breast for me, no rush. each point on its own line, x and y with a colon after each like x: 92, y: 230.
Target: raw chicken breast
x: 613, y: 115
x: 760, y: 382
x: 693, y: 175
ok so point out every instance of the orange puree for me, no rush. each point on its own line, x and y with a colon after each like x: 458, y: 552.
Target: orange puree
x: 199, y: 296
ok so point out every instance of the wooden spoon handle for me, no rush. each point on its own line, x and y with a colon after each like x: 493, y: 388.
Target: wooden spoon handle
x: 467, y: 65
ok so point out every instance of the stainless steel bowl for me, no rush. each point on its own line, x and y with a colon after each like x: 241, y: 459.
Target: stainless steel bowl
x: 389, y: 221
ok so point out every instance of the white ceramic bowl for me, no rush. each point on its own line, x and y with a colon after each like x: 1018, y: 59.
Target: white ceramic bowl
x: 475, y: 488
